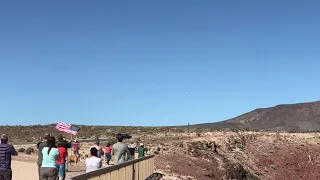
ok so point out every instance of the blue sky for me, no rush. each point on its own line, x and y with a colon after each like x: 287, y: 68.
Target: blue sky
x: 154, y: 62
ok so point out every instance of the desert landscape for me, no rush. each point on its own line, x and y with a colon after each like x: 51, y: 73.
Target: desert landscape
x: 202, y: 152
x: 238, y: 155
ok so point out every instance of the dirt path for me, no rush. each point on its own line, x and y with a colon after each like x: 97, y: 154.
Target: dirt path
x: 24, y: 170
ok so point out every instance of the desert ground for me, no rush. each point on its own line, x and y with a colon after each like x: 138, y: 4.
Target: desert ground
x: 219, y: 155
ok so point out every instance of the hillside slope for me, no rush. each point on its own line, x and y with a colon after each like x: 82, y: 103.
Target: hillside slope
x: 288, y: 117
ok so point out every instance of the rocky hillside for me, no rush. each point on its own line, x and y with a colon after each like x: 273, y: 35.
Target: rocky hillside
x: 301, y: 117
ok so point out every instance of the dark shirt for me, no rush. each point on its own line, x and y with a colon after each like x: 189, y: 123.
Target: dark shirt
x: 132, y: 150
x: 40, y: 146
x: 6, y: 151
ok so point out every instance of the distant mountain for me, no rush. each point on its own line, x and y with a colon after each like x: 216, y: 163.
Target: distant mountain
x: 287, y: 117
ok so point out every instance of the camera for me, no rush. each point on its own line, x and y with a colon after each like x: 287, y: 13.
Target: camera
x: 124, y: 136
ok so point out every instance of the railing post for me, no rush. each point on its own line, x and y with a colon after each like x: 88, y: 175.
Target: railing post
x: 133, y: 172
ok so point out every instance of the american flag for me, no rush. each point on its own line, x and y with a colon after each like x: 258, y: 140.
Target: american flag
x: 67, y: 128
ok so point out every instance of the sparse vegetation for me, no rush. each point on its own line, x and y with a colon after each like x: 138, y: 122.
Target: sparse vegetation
x: 238, y: 154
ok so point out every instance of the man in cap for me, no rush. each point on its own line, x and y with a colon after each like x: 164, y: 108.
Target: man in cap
x: 6, y: 151
x: 142, y: 150
x: 40, y: 146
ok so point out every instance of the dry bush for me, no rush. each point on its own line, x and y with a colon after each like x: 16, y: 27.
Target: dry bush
x: 21, y: 150
x: 29, y: 150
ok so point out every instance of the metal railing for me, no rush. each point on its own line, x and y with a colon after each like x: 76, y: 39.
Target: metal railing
x: 138, y: 169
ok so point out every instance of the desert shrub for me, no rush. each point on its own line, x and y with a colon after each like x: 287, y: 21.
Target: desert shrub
x: 234, y: 130
x: 181, y: 145
x: 29, y: 150
x: 198, y: 134
x: 138, y: 140
x: 179, y: 130
x: 21, y: 150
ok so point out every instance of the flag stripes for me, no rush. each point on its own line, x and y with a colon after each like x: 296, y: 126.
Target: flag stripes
x: 67, y: 128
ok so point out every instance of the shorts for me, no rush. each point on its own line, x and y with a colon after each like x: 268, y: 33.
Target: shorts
x: 61, y: 170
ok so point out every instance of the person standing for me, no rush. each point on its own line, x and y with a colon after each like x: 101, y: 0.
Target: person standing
x: 108, y: 153
x: 50, y: 154
x: 66, y: 145
x: 60, y: 162
x: 93, y: 163
x: 120, y: 150
x: 6, y: 151
x: 132, y: 150
x: 96, y: 145
x: 76, y: 147
x: 40, y: 146
x: 142, y: 150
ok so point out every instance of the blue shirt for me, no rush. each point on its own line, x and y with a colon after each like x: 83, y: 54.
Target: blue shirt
x: 49, y: 160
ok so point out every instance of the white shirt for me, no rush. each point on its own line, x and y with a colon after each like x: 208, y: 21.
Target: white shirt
x: 93, y: 163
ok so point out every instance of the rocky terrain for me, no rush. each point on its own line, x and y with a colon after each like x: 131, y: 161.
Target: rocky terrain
x: 302, y: 117
x: 222, y: 150
x: 226, y: 155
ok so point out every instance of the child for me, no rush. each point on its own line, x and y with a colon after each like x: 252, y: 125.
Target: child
x: 108, y: 153
x: 60, y: 162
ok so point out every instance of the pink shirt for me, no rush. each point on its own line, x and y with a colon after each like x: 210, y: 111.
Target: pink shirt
x: 75, y: 146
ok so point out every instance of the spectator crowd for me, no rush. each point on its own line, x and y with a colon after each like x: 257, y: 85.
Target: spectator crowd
x: 53, y: 155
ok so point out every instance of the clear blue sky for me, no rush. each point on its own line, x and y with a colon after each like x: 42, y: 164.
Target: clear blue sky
x: 165, y: 62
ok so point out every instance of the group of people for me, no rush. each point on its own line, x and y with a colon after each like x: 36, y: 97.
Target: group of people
x: 53, y: 156
x: 121, y: 152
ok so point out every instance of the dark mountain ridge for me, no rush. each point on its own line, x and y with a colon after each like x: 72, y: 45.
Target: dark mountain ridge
x: 286, y: 117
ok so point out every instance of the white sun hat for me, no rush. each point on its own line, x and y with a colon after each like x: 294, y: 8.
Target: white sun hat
x: 141, y: 144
